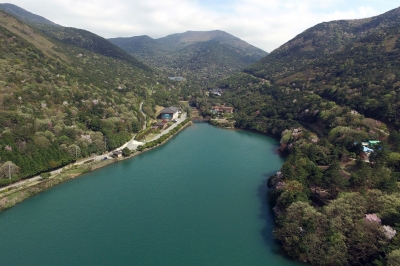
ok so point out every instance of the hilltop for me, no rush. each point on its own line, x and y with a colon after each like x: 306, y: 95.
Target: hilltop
x: 318, y: 42
x: 352, y: 62
x: 25, y: 15
x: 202, y: 57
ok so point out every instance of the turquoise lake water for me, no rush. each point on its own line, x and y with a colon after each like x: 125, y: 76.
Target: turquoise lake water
x: 200, y: 199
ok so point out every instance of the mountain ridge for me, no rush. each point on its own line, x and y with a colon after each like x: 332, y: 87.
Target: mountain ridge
x: 189, y: 37
x: 318, y: 41
x: 175, y: 54
x: 79, y: 37
x: 25, y: 15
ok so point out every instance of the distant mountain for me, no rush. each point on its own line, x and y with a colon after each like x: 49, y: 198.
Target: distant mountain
x: 144, y: 48
x: 202, y: 57
x: 180, y: 40
x: 24, y: 15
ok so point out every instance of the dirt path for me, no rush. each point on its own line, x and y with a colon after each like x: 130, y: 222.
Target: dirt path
x: 145, y: 117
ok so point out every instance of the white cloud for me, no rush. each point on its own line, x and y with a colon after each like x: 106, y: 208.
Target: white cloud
x: 264, y: 23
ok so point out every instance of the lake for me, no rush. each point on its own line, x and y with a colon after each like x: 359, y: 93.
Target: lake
x: 200, y: 199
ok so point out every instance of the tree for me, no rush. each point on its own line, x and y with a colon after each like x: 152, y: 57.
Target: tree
x: 74, y: 151
x: 380, y: 156
x: 365, y: 241
x: 362, y: 177
x: 126, y: 152
x: 8, y: 170
x: 345, y: 211
x: 333, y: 179
x: 393, y: 258
x: 389, y: 208
x: 394, y: 139
x: 41, y: 142
x: 136, y: 126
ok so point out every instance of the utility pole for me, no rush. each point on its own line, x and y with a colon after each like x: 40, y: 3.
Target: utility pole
x: 9, y: 170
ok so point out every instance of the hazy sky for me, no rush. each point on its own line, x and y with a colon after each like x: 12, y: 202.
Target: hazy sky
x: 266, y: 24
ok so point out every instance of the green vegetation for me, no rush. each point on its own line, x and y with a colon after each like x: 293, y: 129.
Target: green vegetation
x: 202, y: 58
x: 163, y: 138
x: 322, y: 94
x: 66, y: 94
x: 142, y: 135
x: 126, y: 152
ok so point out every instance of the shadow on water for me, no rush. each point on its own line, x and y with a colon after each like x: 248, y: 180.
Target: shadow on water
x: 267, y: 214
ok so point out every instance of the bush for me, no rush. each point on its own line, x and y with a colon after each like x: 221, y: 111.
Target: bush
x: 45, y: 175
x: 126, y: 152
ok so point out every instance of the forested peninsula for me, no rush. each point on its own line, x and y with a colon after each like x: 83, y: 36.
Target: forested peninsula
x: 331, y: 95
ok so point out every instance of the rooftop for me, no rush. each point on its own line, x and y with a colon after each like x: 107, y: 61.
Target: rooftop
x: 170, y: 110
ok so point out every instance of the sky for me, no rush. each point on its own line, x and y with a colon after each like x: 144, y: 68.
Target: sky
x: 266, y: 24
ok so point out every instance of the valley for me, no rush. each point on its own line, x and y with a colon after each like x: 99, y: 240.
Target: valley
x: 202, y: 58
x: 330, y: 95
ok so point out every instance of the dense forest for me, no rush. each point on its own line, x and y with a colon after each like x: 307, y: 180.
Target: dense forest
x: 329, y: 95
x: 63, y: 98
x: 325, y: 94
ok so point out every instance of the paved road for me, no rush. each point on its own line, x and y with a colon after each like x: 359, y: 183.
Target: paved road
x: 132, y: 145
x: 180, y: 120
x: 96, y: 158
x: 21, y: 183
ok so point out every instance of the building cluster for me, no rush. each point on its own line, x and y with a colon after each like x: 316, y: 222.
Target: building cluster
x: 368, y: 145
x: 217, y: 91
x: 221, y: 109
x: 166, y: 115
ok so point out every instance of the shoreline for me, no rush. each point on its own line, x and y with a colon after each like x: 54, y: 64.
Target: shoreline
x: 12, y: 195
